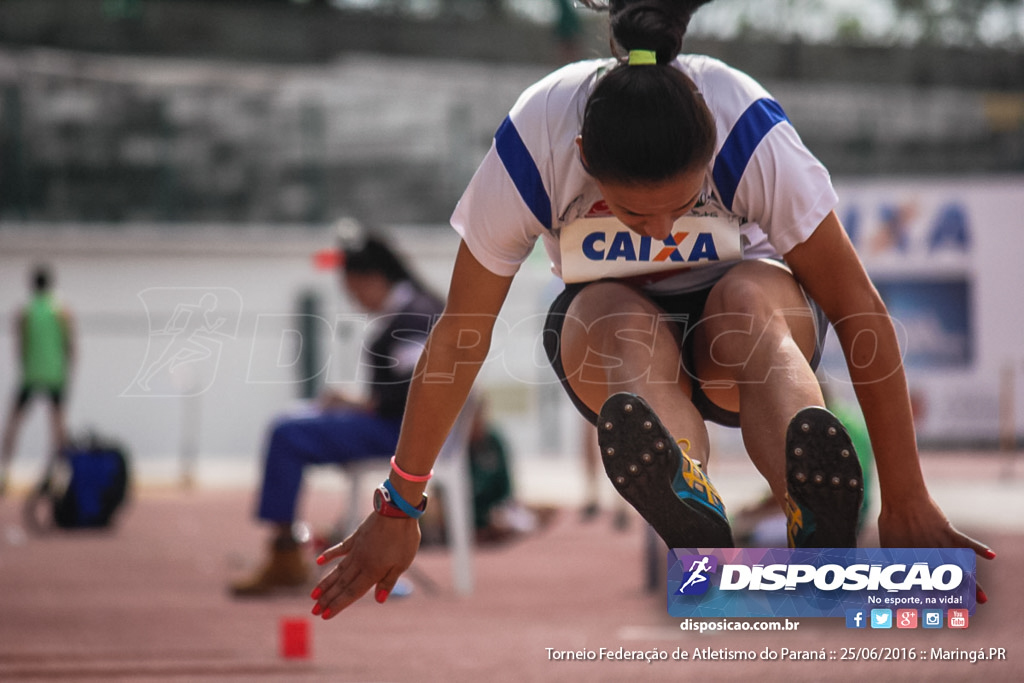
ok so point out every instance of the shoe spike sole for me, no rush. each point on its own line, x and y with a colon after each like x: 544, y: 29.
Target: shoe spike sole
x: 642, y: 459
x: 823, y: 478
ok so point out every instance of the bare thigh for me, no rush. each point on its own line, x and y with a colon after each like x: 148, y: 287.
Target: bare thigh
x: 755, y: 319
x: 616, y: 339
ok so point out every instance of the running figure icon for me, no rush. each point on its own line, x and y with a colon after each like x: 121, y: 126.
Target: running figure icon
x: 697, y: 571
x: 184, y: 345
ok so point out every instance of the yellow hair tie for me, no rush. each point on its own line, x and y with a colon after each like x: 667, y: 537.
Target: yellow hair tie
x: 642, y: 57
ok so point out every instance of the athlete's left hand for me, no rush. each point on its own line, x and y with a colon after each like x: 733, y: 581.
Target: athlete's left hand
x: 923, y: 525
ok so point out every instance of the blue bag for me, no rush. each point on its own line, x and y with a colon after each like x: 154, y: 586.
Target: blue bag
x: 85, y: 486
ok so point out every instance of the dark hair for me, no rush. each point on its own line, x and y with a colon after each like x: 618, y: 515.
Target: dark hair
x: 373, y: 255
x: 647, y: 123
x: 41, y: 278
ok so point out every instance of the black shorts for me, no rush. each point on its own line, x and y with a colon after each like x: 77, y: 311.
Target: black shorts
x: 685, y: 310
x: 25, y: 393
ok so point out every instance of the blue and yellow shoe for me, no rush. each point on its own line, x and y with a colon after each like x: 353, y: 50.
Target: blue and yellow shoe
x: 824, y: 482
x: 649, y: 470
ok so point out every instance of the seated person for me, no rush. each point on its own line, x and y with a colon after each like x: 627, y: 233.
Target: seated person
x: 497, y: 514
x: 340, y: 429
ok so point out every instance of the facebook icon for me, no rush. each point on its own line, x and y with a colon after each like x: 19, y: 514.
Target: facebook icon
x: 856, y: 618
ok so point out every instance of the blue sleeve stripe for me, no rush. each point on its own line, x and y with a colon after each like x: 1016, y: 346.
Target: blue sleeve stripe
x: 759, y: 118
x: 523, y: 171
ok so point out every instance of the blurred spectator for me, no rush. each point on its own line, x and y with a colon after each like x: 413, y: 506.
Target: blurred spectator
x: 489, y: 472
x: 340, y: 428
x: 498, y: 516
x: 45, y: 340
x: 567, y: 31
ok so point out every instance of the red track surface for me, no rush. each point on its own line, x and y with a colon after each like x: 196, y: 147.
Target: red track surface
x: 147, y: 601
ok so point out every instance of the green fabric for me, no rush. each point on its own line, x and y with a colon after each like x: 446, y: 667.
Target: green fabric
x: 492, y: 483
x: 567, y: 25
x: 853, y: 420
x: 44, y: 360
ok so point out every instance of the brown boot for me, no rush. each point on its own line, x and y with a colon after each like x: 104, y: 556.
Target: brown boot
x: 286, y: 568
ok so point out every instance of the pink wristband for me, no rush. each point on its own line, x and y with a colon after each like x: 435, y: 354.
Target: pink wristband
x: 418, y: 478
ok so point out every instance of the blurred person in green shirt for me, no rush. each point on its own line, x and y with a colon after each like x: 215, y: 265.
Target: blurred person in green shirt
x: 44, y: 338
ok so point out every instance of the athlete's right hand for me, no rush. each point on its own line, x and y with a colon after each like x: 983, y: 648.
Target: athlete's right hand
x: 375, y: 554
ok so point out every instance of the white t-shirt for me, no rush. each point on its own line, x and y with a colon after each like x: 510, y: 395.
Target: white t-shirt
x: 764, y: 192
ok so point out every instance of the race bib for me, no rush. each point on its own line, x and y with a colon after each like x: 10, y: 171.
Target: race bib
x: 602, y: 247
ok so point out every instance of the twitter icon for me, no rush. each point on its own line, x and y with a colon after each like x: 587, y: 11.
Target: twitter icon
x: 881, y: 618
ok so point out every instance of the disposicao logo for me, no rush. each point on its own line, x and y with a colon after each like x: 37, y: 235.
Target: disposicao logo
x: 697, y: 579
x: 826, y: 582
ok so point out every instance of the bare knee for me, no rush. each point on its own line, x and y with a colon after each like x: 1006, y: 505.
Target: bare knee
x: 612, y: 334
x: 749, y: 317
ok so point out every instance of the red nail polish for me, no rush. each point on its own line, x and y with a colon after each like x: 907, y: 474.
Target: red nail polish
x: 381, y: 595
x: 989, y: 554
x: 316, y: 609
x: 316, y: 594
x: 321, y: 560
x: 982, y: 598
x: 327, y: 613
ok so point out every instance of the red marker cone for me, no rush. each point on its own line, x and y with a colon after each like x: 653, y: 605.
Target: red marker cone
x: 295, y: 638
